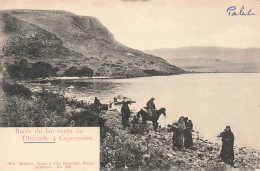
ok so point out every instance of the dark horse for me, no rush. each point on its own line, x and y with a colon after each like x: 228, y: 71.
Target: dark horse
x: 146, y: 117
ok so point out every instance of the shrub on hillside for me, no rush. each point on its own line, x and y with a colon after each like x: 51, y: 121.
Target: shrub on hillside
x: 21, y: 112
x: 53, y: 102
x: 16, y: 90
x: 42, y: 69
x: 19, y: 70
x: 83, y: 72
x: 71, y: 71
x: 23, y: 70
x: 88, y: 117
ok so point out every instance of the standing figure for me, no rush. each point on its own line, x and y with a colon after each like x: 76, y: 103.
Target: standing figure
x: 182, y: 128
x: 151, y: 107
x: 227, y: 151
x: 188, y: 142
x: 177, y: 139
x: 97, y: 104
x: 185, y: 119
x: 125, y: 114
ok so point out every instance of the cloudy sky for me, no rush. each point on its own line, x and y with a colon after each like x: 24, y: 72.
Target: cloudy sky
x: 152, y: 24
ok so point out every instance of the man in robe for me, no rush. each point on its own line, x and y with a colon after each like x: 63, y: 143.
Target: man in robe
x: 177, y: 139
x: 125, y: 111
x: 97, y: 104
x: 227, y: 150
x: 188, y: 142
x: 151, y: 107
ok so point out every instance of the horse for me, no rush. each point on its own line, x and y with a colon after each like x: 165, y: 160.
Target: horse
x: 154, y: 119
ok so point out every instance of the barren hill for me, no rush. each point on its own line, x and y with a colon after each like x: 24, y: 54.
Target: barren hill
x: 212, y: 59
x: 65, y: 40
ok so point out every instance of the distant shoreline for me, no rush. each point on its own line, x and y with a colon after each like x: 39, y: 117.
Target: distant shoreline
x: 109, y: 78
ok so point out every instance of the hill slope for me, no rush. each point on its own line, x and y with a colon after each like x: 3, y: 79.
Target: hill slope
x: 65, y: 40
x: 212, y: 59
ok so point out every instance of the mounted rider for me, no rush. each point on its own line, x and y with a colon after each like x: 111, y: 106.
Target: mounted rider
x: 151, y: 107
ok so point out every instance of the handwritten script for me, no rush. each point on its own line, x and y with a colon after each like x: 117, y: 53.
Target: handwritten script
x: 233, y: 11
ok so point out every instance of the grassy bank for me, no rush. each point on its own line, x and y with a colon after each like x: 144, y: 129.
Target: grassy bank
x: 23, y: 108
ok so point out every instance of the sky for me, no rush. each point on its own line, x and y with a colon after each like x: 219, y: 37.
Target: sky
x: 153, y: 24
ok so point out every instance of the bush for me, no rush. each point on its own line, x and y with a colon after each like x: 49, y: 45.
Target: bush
x: 17, y: 71
x: 89, y: 117
x: 22, y: 70
x: 53, y: 102
x: 16, y: 90
x: 21, y: 112
x: 118, y: 151
x: 73, y: 71
x: 85, y: 71
x: 42, y: 69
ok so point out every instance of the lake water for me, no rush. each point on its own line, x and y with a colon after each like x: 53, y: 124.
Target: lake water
x: 211, y: 101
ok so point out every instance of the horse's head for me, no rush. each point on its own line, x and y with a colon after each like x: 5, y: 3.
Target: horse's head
x: 163, y: 111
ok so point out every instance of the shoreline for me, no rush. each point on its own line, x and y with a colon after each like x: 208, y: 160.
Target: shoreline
x: 41, y: 80
x: 121, y: 148
x: 203, y: 155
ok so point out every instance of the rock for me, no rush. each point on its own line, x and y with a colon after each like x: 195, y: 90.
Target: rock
x: 169, y: 155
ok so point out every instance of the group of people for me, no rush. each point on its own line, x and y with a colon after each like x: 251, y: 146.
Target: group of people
x: 125, y: 111
x: 182, y: 133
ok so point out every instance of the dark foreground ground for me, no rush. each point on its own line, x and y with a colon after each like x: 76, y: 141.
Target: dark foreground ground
x: 156, y: 151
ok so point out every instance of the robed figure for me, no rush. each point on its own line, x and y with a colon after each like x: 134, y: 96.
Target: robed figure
x: 188, y: 142
x: 177, y: 138
x: 125, y: 111
x: 97, y: 103
x: 151, y: 107
x: 227, y: 150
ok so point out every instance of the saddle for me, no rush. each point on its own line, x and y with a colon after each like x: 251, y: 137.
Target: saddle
x: 149, y: 113
x: 145, y: 109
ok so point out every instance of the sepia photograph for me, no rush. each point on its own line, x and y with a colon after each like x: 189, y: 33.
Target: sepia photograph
x: 130, y: 85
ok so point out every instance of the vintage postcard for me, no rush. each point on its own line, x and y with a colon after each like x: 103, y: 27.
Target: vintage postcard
x: 129, y: 85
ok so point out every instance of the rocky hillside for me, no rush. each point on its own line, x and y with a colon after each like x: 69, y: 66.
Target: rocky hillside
x: 121, y: 149
x: 212, y: 59
x: 65, y: 40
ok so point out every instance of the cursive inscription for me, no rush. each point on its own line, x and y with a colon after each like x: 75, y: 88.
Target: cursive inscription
x: 232, y: 11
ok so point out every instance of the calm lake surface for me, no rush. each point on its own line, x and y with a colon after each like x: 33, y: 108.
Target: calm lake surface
x: 211, y: 101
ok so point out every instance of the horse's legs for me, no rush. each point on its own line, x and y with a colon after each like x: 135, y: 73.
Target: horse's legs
x: 155, y: 125
x: 144, y: 121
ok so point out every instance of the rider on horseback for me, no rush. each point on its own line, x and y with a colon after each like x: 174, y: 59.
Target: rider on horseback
x: 151, y: 107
